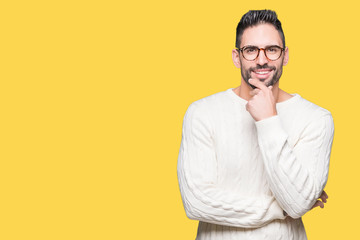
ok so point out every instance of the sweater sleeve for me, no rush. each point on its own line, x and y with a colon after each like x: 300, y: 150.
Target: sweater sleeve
x: 202, y: 198
x: 297, y: 173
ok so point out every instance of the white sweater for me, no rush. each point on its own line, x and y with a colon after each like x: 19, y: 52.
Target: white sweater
x: 240, y: 178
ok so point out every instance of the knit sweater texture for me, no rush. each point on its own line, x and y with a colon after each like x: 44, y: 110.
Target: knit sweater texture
x: 246, y: 179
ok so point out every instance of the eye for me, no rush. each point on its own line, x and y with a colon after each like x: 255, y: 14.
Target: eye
x: 272, y: 49
x: 250, y: 50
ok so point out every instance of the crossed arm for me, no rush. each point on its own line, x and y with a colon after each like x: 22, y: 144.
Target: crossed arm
x: 297, y: 175
x: 203, y: 200
x: 202, y: 197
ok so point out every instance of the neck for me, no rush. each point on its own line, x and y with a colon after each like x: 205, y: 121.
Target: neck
x: 244, y: 90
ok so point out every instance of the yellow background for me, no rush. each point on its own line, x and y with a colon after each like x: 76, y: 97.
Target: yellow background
x: 93, y: 95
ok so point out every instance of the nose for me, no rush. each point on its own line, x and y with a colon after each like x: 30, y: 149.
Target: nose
x: 262, y: 59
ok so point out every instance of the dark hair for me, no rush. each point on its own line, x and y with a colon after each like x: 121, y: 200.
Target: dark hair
x: 255, y: 17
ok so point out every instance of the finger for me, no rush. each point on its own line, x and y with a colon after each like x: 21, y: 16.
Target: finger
x: 323, y: 197
x: 257, y: 83
x: 254, y: 92
x: 326, y: 196
x: 318, y: 203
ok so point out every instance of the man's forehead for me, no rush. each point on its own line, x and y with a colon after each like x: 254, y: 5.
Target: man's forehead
x: 261, y: 35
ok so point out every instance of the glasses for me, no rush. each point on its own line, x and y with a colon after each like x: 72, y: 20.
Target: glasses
x: 250, y: 53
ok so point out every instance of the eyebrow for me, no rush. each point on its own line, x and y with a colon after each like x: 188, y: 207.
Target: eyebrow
x: 258, y: 47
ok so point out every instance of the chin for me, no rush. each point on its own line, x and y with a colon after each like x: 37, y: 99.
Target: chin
x: 267, y: 82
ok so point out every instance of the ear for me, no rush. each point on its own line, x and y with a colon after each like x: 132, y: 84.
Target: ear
x: 286, y: 56
x: 236, y: 58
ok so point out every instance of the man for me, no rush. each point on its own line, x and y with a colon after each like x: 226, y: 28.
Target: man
x: 254, y: 159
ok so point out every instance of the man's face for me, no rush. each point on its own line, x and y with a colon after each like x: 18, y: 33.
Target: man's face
x: 261, y: 68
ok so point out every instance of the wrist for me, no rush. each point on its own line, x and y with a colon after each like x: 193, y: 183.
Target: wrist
x: 267, y: 116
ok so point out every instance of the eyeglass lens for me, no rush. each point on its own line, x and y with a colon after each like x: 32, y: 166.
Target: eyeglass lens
x: 271, y: 52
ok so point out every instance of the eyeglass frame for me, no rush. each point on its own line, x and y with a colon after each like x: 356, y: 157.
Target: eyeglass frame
x: 259, y: 49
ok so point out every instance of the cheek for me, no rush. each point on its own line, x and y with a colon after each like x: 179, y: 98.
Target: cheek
x: 245, y: 67
x: 281, y: 64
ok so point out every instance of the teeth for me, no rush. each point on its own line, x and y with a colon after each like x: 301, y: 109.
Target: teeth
x: 262, y: 72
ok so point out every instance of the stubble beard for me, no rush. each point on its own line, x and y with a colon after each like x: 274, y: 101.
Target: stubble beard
x: 246, y: 74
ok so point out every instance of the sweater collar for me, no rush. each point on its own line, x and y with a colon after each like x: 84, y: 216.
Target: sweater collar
x: 237, y: 98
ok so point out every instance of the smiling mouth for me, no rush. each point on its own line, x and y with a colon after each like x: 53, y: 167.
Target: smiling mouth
x: 262, y: 73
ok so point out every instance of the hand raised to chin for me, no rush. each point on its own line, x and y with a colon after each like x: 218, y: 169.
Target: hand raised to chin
x: 262, y: 104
